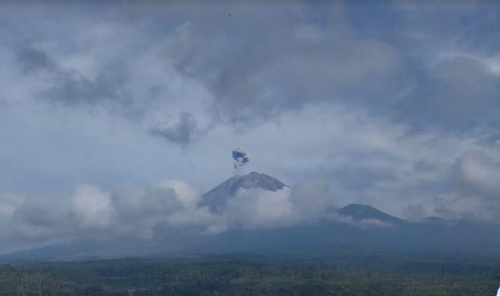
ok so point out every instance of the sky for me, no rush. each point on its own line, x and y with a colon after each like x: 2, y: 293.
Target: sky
x: 119, y: 109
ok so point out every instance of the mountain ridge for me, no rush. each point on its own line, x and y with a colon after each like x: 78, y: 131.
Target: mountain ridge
x: 364, y: 212
x: 216, y: 198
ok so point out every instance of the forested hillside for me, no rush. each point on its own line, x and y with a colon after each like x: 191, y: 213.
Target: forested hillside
x: 241, y: 275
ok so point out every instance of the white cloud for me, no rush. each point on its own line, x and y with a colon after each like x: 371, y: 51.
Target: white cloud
x: 184, y: 193
x: 92, y: 207
x: 480, y: 173
x: 255, y: 208
x: 135, y: 212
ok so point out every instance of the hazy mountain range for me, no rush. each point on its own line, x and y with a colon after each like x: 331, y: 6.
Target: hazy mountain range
x: 353, y: 229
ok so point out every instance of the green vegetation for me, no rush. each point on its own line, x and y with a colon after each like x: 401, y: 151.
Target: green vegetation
x: 240, y: 275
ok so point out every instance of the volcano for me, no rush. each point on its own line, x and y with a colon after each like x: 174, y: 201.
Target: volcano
x: 364, y: 212
x: 216, y: 198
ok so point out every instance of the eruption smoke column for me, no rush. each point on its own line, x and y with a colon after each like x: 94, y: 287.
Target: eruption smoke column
x: 241, y: 157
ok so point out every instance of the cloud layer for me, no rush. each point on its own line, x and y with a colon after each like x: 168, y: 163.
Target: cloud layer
x: 138, y: 213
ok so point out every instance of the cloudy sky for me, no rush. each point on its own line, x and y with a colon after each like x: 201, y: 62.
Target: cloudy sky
x: 390, y: 104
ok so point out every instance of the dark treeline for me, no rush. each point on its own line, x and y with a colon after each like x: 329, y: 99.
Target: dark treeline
x: 240, y: 275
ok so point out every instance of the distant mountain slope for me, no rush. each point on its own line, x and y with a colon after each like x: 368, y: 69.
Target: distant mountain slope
x: 363, y: 212
x: 217, y: 197
x: 326, y: 237
x: 322, y: 238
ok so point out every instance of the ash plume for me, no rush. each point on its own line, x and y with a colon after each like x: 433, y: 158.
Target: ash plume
x: 241, y: 158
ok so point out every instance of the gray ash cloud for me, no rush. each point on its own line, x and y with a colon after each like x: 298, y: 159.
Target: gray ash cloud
x: 241, y: 158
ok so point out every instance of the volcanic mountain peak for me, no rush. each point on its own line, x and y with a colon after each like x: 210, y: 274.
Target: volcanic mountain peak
x: 217, y: 197
x: 363, y: 212
x: 257, y: 180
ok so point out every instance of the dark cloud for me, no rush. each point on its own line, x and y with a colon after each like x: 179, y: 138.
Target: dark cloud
x: 32, y: 60
x: 182, y: 133
x: 254, y: 75
x: 324, y: 53
x: 71, y: 88
x: 76, y: 89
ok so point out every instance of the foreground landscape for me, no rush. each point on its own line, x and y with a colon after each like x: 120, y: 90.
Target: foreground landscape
x: 259, y: 275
